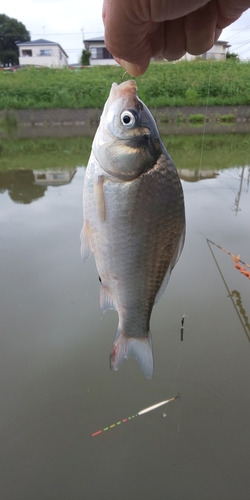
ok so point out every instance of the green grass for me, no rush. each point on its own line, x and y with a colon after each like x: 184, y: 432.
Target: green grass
x: 230, y: 118
x: 164, y: 84
x: 197, y: 119
x: 42, y: 154
x: 219, y: 151
x: 8, y: 123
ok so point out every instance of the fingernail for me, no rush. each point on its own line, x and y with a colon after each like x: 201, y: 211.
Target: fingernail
x: 217, y: 34
x: 132, y: 69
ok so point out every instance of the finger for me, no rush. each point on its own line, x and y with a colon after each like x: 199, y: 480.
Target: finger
x: 230, y: 11
x: 217, y: 35
x: 126, y: 39
x: 173, y: 40
x: 162, y: 10
x: 132, y: 69
x: 200, y: 28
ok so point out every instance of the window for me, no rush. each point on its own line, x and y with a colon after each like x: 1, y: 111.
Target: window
x: 27, y: 53
x: 93, y: 53
x: 100, y: 53
x: 45, y: 52
x: 58, y: 176
x: 106, y: 54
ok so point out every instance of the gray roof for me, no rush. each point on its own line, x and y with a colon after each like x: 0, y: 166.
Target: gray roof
x: 222, y: 43
x: 96, y: 39
x: 41, y: 41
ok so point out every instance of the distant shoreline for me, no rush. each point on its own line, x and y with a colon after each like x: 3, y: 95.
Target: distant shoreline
x: 84, y: 122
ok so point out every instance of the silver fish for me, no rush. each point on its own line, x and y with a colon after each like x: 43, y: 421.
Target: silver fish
x: 134, y: 219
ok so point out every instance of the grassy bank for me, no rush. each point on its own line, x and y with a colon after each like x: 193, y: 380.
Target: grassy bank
x: 219, y: 151
x: 36, y: 154
x: 164, y: 84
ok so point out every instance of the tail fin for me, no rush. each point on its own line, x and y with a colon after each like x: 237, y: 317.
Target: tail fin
x: 141, y: 348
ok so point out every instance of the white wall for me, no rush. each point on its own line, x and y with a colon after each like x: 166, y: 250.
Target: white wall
x: 103, y: 62
x: 217, y: 52
x: 56, y: 58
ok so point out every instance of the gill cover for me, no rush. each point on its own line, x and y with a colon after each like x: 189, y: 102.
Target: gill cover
x: 127, y: 137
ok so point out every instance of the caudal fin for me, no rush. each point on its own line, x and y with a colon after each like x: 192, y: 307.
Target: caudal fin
x: 141, y: 348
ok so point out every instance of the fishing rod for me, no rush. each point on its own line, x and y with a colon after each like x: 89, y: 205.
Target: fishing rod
x: 235, y: 259
x: 229, y: 253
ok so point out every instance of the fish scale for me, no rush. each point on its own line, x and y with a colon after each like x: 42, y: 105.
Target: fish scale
x: 134, y: 220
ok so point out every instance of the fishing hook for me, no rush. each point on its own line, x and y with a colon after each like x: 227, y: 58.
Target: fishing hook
x: 124, y: 75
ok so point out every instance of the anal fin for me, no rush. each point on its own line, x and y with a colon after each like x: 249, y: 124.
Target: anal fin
x: 106, y: 300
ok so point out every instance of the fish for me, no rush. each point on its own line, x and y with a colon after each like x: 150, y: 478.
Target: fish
x: 133, y: 220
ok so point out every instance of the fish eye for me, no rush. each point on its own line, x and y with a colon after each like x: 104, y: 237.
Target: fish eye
x: 128, y: 119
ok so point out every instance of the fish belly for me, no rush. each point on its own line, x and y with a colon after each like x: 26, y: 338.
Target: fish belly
x: 136, y: 231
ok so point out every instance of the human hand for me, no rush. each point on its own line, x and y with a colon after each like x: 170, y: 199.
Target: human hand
x: 136, y: 30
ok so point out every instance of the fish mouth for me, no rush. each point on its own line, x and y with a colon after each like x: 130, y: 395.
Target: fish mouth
x: 127, y: 92
x: 124, y: 89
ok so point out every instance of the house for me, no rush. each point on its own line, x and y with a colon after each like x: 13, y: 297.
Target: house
x: 217, y: 52
x: 53, y: 177
x: 99, y: 54
x: 42, y: 53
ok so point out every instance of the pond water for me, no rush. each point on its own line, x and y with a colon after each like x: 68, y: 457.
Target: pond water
x: 56, y: 386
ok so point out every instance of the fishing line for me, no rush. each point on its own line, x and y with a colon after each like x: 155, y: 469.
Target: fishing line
x: 182, y: 321
x: 196, y: 199
x: 176, y: 382
x: 205, y: 122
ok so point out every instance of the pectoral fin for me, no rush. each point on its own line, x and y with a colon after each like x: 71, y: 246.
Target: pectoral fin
x: 86, y: 249
x: 100, y: 197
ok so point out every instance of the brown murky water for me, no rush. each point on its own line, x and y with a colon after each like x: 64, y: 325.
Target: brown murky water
x: 56, y: 386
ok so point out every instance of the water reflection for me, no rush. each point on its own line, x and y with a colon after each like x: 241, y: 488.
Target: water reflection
x: 21, y: 186
x: 190, y: 175
x: 239, y: 309
x: 53, y: 177
x: 236, y: 206
x: 25, y: 186
x: 242, y: 311
x: 55, y: 384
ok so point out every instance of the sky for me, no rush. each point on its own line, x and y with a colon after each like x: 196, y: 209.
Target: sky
x: 68, y: 22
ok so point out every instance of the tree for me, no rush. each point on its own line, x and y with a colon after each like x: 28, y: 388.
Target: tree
x: 85, y: 57
x: 232, y: 55
x: 11, y: 32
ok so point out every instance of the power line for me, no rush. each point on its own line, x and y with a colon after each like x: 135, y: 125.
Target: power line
x: 240, y: 31
x: 74, y: 33
x: 242, y: 45
x: 54, y: 34
x: 246, y: 50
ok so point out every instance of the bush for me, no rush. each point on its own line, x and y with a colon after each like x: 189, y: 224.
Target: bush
x: 198, y: 118
x: 185, y: 83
